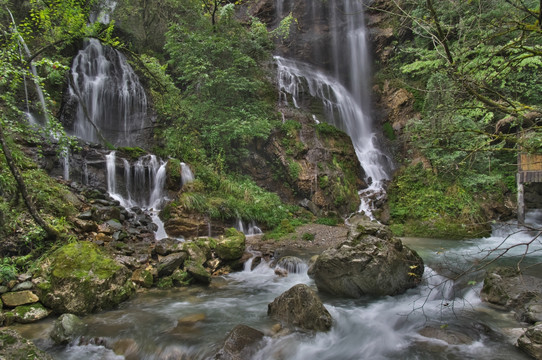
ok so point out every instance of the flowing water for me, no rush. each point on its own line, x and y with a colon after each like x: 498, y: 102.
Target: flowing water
x: 110, y: 102
x: 339, y: 77
x: 190, y: 323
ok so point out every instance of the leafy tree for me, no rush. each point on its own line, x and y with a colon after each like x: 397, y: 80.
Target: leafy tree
x: 470, y: 65
x: 224, y: 91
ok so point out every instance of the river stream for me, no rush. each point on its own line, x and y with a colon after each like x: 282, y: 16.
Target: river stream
x: 191, y: 323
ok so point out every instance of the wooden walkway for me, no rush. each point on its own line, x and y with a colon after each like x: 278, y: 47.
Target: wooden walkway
x: 529, y: 171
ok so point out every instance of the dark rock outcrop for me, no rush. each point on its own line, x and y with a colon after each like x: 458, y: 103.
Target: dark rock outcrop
x: 300, y: 307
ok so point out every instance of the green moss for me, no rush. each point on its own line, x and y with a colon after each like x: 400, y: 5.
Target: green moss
x: 7, y: 339
x: 388, y: 131
x: 81, y: 258
x: 325, y: 130
x: 165, y: 283
x: 181, y: 278
x: 232, y: 246
x: 327, y: 221
x: 132, y: 152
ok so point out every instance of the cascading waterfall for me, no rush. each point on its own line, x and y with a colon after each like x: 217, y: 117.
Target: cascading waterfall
x: 143, y: 182
x: 342, y: 87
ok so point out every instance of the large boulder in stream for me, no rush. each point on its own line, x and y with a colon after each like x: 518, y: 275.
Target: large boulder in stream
x: 301, y: 307
x: 506, y: 288
x: 240, y: 343
x: 78, y: 278
x: 370, y: 262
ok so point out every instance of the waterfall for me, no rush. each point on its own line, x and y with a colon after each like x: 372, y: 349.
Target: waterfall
x: 186, y: 174
x: 339, y: 76
x: 249, y: 229
x: 111, y: 104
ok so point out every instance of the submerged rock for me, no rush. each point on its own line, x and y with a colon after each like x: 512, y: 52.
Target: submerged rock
x: 66, y: 329
x: 531, y: 341
x: 240, y: 343
x: 301, y: 307
x: 371, y: 262
x: 80, y: 279
x: 14, y: 347
x: 452, y: 337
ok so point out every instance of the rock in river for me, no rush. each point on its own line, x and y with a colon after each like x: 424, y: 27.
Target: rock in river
x: 367, y: 265
x: 301, y: 307
x: 240, y: 343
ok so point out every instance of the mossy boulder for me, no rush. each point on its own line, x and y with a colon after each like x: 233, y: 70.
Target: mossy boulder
x: 232, y: 246
x: 143, y: 278
x: 196, y: 253
x: 14, y: 347
x: 80, y: 279
x: 25, y: 314
x: 197, y: 271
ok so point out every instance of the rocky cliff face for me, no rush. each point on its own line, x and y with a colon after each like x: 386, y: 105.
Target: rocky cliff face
x: 308, y: 163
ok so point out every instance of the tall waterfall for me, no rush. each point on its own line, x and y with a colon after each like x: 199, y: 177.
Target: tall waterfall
x: 339, y: 76
x: 111, y: 105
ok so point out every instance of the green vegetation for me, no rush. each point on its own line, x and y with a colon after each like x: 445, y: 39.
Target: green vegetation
x: 470, y: 67
x: 229, y: 197
x: 223, y: 93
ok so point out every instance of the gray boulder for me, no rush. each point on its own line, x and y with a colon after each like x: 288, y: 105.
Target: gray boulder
x: 531, y: 341
x: 240, y: 343
x: 505, y: 288
x: 301, y: 307
x: 66, y: 329
x: 367, y: 265
x: 170, y: 263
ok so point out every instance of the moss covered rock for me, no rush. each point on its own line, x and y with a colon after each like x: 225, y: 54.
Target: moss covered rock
x: 14, y: 347
x: 198, y: 272
x: 25, y: 314
x: 232, y: 246
x: 80, y: 279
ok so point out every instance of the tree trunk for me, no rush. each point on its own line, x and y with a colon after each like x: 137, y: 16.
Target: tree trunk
x: 21, y: 186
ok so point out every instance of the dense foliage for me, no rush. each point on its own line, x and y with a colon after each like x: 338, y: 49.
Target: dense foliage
x: 472, y: 67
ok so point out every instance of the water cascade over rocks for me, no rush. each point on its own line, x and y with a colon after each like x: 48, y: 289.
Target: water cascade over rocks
x: 106, y: 103
x: 338, y: 75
